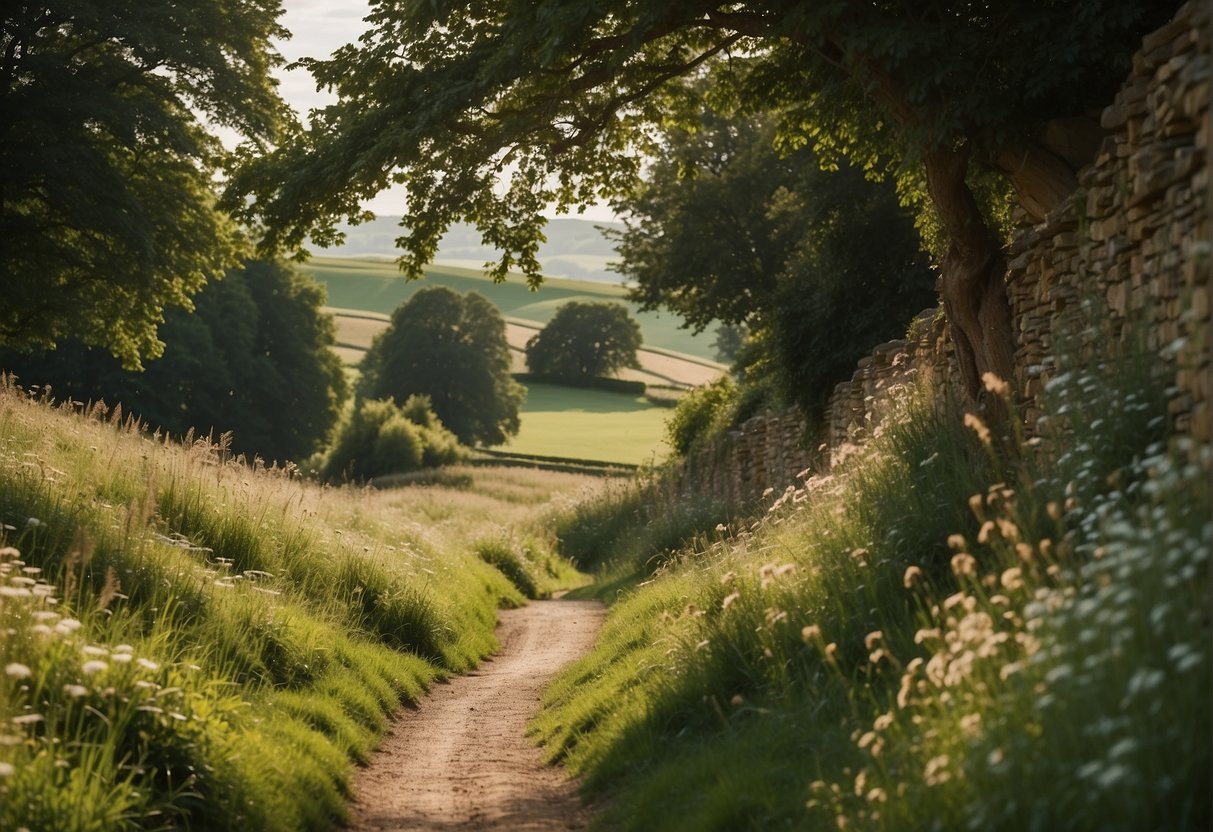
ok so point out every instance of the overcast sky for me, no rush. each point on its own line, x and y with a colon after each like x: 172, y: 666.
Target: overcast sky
x: 317, y: 28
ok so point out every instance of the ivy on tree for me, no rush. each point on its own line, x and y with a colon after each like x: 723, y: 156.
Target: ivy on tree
x: 107, y: 206
x: 559, y: 98
x: 452, y: 348
x: 585, y: 340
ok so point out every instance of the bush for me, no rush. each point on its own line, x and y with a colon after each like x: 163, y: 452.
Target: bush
x: 380, y: 438
x: 700, y: 414
x: 397, y: 447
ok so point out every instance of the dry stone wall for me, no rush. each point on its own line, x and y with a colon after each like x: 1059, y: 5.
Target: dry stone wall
x: 1134, y: 238
x: 1131, y: 237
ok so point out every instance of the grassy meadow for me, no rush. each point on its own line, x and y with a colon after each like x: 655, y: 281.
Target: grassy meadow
x: 933, y: 636
x: 590, y: 424
x: 195, y: 643
x: 377, y: 286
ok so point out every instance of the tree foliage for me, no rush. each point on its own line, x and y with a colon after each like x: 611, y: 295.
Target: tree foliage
x: 452, y: 348
x: 253, y: 358
x: 560, y: 97
x: 818, y: 265
x: 107, y: 207
x: 585, y: 340
x: 381, y: 438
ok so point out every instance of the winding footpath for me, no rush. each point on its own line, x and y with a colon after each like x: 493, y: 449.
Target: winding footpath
x: 460, y: 760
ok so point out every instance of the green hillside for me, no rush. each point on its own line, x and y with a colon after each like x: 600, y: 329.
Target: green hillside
x: 378, y: 286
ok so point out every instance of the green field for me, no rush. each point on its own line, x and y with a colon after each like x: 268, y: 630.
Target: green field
x: 378, y: 286
x: 590, y: 424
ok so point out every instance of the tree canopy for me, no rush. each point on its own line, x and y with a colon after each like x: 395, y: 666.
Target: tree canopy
x: 557, y: 97
x: 253, y: 358
x: 585, y: 339
x: 819, y: 265
x: 107, y: 163
x: 452, y: 348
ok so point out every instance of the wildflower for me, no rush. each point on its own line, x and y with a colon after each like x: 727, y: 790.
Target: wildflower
x: 883, y: 722
x: 1025, y: 551
x: 94, y: 666
x: 17, y: 670
x: 974, y: 422
x: 983, y: 535
x: 924, y: 634
x: 869, y: 641
x: 936, y: 771
x: 810, y: 633
x: 729, y: 599
x: 75, y: 691
x: 27, y: 719
x: 1012, y: 579
x: 913, y: 575
x: 147, y: 664
x: 964, y: 565
x: 971, y: 724
x: 995, y: 385
x: 122, y: 658
x: 956, y: 542
x: 7, y: 770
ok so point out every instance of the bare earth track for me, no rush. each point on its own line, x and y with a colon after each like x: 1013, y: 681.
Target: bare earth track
x: 461, y: 760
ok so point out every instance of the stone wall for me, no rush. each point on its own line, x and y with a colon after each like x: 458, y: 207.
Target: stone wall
x: 1130, y: 237
x: 1134, y: 237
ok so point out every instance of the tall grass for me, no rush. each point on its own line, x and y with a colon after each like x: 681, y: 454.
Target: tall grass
x: 187, y: 641
x: 936, y: 635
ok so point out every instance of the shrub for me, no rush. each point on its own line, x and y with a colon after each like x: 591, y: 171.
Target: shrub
x: 701, y: 414
x: 380, y: 438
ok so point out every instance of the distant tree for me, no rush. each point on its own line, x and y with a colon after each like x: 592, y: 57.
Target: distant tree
x: 819, y: 266
x: 253, y: 358
x: 452, y: 348
x: 107, y: 168
x: 585, y: 340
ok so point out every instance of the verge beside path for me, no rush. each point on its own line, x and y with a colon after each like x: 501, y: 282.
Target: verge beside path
x: 461, y: 760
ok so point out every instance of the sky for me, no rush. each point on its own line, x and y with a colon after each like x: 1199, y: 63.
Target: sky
x: 320, y: 26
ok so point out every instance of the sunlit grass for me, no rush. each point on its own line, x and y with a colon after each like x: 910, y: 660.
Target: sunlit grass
x: 187, y: 641
x: 935, y: 635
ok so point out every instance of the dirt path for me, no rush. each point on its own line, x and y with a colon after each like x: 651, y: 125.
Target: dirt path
x: 461, y: 759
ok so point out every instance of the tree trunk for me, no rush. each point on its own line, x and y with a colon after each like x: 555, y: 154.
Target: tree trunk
x: 972, y: 281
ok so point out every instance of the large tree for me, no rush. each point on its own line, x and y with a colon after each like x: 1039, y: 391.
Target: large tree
x: 108, y: 162
x: 557, y: 97
x: 585, y: 339
x: 451, y: 348
x: 254, y: 357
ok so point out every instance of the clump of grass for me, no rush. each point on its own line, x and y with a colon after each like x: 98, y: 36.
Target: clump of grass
x: 629, y: 529
x: 534, y: 571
